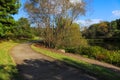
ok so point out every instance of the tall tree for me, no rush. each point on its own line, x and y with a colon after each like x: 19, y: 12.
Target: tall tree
x: 45, y: 13
x: 7, y: 9
x: 23, y: 29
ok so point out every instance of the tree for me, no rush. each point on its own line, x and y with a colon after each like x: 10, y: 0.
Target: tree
x: 103, y: 30
x: 7, y: 9
x: 115, y: 26
x: 100, y: 30
x: 23, y: 29
x: 45, y: 13
x: 68, y: 36
x: 110, y: 30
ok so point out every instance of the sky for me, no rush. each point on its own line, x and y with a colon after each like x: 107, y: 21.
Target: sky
x: 97, y: 10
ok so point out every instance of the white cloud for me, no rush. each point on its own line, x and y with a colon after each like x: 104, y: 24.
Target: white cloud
x: 116, y: 12
x: 75, y: 1
x: 88, y: 22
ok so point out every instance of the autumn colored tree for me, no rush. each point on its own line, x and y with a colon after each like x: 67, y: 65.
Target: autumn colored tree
x: 45, y: 13
x: 103, y: 30
x: 96, y: 31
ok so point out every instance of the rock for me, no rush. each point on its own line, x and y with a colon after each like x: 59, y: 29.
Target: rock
x: 62, y: 50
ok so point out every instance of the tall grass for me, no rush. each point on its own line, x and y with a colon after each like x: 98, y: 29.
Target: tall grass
x: 7, y: 65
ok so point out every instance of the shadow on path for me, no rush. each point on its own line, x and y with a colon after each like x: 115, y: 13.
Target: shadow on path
x: 40, y: 69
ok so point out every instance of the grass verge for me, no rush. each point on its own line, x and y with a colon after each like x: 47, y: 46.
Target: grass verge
x: 7, y: 66
x: 101, y: 72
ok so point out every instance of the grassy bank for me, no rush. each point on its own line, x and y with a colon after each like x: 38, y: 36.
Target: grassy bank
x: 7, y: 65
x: 101, y: 72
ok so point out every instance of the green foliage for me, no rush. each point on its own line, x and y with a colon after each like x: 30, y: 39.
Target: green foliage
x: 113, y: 57
x: 7, y: 9
x: 68, y: 35
x: 23, y: 30
x: 57, y: 24
x: 7, y: 66
x: 103, y: 30
x: 99, y: 53
x: 92, y: 69
x: 96, y: 31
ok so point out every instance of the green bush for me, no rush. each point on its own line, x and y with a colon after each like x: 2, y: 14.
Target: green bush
x: 70, y: 50
x: 113, y: 57
x: 98, y: 53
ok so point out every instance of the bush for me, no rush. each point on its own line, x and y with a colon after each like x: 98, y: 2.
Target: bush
x: 70, y: 50
x: 113, y: 57
x: 98, y: 53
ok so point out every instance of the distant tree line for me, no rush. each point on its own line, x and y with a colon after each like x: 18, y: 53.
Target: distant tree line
x: 103, y: 30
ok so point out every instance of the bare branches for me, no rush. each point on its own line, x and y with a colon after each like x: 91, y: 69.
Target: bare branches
x: 47, y: 10
x: 53, y: 15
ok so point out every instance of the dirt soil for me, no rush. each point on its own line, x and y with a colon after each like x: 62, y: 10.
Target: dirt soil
x: 34, y: 66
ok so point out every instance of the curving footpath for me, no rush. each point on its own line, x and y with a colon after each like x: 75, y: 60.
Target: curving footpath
x: 34, y: 66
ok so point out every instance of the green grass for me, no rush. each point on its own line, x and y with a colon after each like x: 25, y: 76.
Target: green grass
x: 98, y: 71
x: 7, y: 66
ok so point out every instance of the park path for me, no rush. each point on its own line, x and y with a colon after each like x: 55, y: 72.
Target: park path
x: 34, y: 66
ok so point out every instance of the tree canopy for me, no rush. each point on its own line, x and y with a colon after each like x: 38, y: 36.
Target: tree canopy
x: 7, y: 9
x: 54, y: 16
x: 103, y: 30
x: 46, y: 11
x: 23, y: 30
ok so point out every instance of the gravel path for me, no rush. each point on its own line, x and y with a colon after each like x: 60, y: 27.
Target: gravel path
x: 34, y: 66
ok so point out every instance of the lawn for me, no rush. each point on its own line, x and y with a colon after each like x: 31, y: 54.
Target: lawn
x: 7, y: 66
x: 101, y: 72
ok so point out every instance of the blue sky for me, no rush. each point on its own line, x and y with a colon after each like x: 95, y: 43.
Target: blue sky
x: 21, y: 12
x: 98, y: 10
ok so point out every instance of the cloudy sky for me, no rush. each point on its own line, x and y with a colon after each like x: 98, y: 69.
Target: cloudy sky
x: 98, y: 10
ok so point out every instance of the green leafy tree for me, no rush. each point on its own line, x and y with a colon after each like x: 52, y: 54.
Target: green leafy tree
x: 7, y: 9
x: 99, y: 30
x: 116, y: 28
x: 68, y: 35
x: 23, y: 29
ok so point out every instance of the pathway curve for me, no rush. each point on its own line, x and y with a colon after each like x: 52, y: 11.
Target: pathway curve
x: 34, y: 66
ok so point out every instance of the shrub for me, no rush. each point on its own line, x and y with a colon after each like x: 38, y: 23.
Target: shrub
x: 70, y: 50
x: 115, y: 58
x: 98, y: 53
